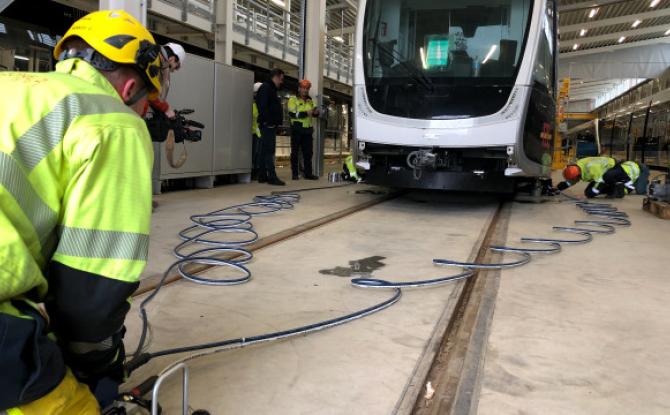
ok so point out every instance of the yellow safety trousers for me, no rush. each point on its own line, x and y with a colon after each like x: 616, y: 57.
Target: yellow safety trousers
x: 69, y: 398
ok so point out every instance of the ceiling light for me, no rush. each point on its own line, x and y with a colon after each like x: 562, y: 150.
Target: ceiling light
x: 575, y: 46
x: 339, y: 39
x: 583, y: 32
x: 636, y: 23
x: 279, y: 3
x: 654, y: 3
x: 667, y: 32
x: 592, y: 13
x: 21, y: 58
x: 621, y: 39
x: 491, y: 52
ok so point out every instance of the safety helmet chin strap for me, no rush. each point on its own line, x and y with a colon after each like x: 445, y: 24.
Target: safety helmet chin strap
x: 101, y: 63
x: 138, y: 96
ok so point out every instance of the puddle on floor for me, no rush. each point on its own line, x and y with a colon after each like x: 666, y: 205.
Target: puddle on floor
x: 359, y: 268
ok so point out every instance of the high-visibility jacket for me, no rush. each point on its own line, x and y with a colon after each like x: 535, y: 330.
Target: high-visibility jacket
x: 350, y: 168
x: 298, y: 109
x: 593, y: 168
x: 254, y: 120
x: 75, y: 202
x: 632, y: 169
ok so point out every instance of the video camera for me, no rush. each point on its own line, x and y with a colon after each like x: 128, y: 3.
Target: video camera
x: 184, y: 129
x: 180, y: 126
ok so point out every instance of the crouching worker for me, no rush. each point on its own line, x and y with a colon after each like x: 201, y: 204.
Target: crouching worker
x: 590, y: 170
x: 627, y: 177
x: 349, y: 172
x: 75, y: 209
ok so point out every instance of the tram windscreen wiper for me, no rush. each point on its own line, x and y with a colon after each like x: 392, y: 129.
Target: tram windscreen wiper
x: 411, y: 68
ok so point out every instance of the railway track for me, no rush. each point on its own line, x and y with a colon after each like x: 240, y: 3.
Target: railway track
x: 453, y: 364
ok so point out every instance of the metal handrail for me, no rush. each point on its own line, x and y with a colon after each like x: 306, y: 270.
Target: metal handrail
x: 257, y: 19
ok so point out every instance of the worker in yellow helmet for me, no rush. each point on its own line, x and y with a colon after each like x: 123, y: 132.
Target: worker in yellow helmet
x: 75, y: 208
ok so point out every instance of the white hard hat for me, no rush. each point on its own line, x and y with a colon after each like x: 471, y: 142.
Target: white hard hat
x: 178, y: 50
x: 257, y: 86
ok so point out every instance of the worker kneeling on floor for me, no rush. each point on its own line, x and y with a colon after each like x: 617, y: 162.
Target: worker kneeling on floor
x: 605, y: 176
x: 75, y: 208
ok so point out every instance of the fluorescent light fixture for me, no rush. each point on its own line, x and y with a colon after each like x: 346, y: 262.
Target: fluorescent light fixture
x: 583, y: 32
x: 2, y: 28
x: 621, y: 39
x: 592, y: 13
x: 654, y: 3
x: 21, y: 58
x: 667, y: 32
x: 279, y: 3
x: 338, y: 39
x: 491, y: 52
x: 636, y: 23
x: 575, y: 46
x: 423, y: 58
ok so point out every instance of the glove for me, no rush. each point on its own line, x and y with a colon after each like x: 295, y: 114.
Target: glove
x: 592, y: 192
x: 562, y: 186
x: 106, y: 391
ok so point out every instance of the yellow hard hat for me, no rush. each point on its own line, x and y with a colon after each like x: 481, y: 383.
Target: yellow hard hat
x: 120, y: 38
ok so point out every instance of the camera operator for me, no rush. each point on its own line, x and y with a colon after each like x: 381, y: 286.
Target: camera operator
x: 174, y: 56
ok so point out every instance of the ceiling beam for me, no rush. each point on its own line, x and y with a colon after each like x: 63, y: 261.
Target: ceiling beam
x: 587, y: 5
x: 629, y: 18
x: 660, y: 29
x: 590, y: 88
x: 610, y: 48
x: 578, y: 84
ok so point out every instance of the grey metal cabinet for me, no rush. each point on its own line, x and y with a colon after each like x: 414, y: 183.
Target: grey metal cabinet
x: 221, y: 96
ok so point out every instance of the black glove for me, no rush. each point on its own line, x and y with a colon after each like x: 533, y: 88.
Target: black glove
x: 591, y: 193
x: 562, y: 186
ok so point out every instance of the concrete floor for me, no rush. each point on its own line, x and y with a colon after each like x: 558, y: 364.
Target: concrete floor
x: 582, y: 332
x: 586, y: 331
x: 175, y: 208
x: 362, y: 367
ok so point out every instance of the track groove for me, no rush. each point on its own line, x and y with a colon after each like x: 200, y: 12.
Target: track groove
x: 454, y: 372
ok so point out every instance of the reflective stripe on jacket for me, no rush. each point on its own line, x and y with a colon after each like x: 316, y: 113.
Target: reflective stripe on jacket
x: 632, y: 169
x: 75, y: 197
x: 593, y: 168
x: 298, y: 109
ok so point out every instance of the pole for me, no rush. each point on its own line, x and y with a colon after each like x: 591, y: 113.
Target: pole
x: 630, y: 127
x: 303, y: 36
x: 612, y: 136
x: 644, y: 132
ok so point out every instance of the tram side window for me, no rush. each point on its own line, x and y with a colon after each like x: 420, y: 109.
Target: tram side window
x: 543, y: 72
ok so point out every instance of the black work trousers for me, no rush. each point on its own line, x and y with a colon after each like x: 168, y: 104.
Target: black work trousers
x: 267, y: 153
x: 301, y: 141
x: 255, y: 154
x: 616, y: 175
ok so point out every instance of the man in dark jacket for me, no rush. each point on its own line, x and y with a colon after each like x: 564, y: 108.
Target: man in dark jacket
x: 269, y: 118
